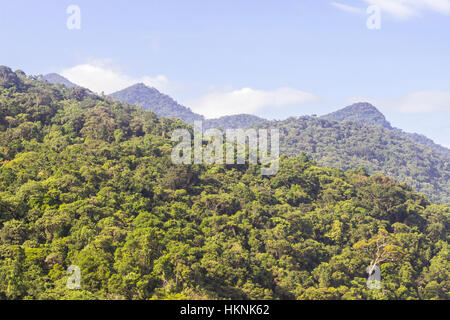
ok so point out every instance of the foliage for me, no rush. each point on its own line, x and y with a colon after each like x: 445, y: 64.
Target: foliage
x: 352, y: 145
x: 87, y: 181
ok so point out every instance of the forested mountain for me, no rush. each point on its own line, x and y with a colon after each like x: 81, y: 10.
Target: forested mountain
x: 55, y: 78
x: 165, y: 106
x: 152, y: 99
x: 351, y: 145
x: 420, y: 138
x: 237, y: 121
x: 362, y: 112
x: 366, y: 113
x: 88, y: 181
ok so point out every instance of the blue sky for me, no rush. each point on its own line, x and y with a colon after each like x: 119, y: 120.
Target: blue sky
x: 271, y: 58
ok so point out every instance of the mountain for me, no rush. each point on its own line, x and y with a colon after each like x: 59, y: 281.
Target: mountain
x: 152, y: 99
x: 362, y: 112
x: 164, y: 106
x: 55, y: 78
x: 88, y: 182
x: 238, y: 121
x: 420, y: 138
x: 366, y: 113
x: 364, y: 138
x: 351, y: 145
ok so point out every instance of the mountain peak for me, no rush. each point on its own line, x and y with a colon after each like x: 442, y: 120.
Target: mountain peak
x: 140, y: 85
x: 151, y: 99
x: 363, y: 112
x: 55, y: 78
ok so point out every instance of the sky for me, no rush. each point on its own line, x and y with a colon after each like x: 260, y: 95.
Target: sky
x: 274, y: 59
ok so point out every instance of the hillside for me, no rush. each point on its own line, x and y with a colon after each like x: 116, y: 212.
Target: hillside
x: 351, y: 145
x: 152, y: 99
x: 165, y: 106
x: 366, y: 113
x: 88, y: 181
x: 427, y: 173
x: 55, y: 78
x: 362, y: 112
x: 237, y: 121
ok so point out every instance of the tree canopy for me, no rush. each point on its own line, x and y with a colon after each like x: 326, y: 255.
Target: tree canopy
x: 88, y: 181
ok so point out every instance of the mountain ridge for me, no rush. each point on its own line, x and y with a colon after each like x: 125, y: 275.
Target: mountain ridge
x: 55, y: 78
x: 362, y: 112
x: 351, y: 145
x: 163, y: 105
x: 366, y: 113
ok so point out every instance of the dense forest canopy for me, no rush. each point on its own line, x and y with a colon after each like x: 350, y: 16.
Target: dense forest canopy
x: 364, y: 138
x: 88, y: 181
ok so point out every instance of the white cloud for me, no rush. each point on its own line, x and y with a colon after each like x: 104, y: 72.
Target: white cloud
x: 422, y: 102
x: 98, y: 77
x: 405, y: 9
x: 248, y: 100
x: 347, y: 8
x: 415, y: 102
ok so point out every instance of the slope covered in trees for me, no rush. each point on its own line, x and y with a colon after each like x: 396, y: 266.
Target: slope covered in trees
x: 360, y: 112
x: 55, y: 78
x: 87, y: 181
x: 366, y: 113
x: 236, y: 121
x: 351, y: 145
x: 159, y: 103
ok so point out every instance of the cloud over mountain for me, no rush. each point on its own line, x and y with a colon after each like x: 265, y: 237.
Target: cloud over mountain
x: 100, y: 77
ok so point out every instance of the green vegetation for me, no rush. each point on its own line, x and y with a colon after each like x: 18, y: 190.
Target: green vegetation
x: 366, y: 113
x: 351, y: 145
x: 362, y: 112
x: 88, y: 181
x: 153, y: 100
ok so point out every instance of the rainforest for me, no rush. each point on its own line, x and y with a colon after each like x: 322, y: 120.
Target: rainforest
x: 88, y: 181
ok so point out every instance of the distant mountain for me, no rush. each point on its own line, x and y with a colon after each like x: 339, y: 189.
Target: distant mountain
x: 366, y: 113
x: 362, y: 112
x: 233, y: 122
x: 58, y: 79
x: 151, y: 99
x: 164, y: 106
x: 420, y: 138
